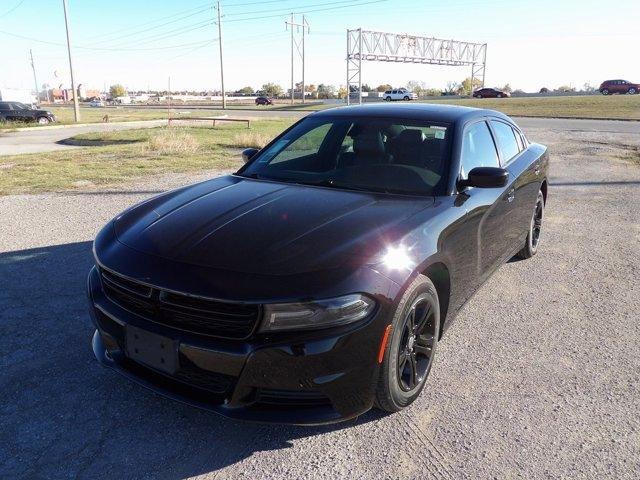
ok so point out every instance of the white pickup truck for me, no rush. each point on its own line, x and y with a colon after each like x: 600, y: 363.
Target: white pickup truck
x: 399, y: 94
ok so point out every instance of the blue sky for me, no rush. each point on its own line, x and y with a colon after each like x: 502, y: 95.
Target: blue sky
x: 140, y: 44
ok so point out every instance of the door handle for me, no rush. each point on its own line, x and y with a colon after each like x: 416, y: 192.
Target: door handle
x: 511, y: 194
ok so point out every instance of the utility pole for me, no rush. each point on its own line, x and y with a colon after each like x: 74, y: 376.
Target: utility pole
x: 76, y: 106
x: 300, y: 47
x: 224, y: 98
x: 305, y: 26
x: 292, y: 22
x: 35, y: 80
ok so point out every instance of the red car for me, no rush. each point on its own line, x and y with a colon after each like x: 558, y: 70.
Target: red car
x: 619, y: 86
x: 490, y: 93
x: 263, y: 101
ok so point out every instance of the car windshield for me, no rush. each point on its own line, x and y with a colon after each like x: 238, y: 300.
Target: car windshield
x: 372, y: 154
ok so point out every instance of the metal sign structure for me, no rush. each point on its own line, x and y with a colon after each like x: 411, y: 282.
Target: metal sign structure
x: 367, y: 45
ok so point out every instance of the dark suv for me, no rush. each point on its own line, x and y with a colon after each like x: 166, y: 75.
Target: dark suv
x: 263, y: 101
x: 19, y: 112
x: 619, y: 86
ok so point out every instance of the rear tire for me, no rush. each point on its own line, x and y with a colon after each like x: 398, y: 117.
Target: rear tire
x: 409, y: 352
x: 604, y: 91
x: 535, y: 229
x: 387, y: 99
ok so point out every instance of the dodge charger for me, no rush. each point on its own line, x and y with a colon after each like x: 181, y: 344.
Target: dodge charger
x: 316, y: 282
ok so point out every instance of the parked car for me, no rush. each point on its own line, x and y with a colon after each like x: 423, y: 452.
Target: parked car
x: 263, y: 101
x: 316, y: 281
x: 96, y: 102
x: 619, y: 86
x: 399, y: 94
x: 19, y: 112
x: 490, y: 93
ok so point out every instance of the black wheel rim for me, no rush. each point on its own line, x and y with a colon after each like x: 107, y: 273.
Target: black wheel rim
x: 536, y: 227
x: 415, y: 349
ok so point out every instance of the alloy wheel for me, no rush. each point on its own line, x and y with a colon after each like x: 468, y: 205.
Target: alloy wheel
x: 415, y: 350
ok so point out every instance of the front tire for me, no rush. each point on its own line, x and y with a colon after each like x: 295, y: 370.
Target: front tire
x: 406, y: 98
x: 409, y: 352
x: 632, y: 91
x: 43, y: 121
x: 535, y: 229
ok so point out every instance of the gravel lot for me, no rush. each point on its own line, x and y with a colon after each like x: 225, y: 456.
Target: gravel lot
x: 539, y: 377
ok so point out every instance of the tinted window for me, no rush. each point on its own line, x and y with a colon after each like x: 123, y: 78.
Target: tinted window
x: 506, y: 140
x: 478, y: 149
x: 4, y: 106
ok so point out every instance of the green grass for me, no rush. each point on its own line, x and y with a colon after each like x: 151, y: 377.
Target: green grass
x: 117, y: 157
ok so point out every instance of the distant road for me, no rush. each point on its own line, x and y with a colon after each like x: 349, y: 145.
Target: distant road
x: 43, y: 139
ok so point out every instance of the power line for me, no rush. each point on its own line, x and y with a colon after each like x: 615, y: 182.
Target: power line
x: 57, y: 44
x: 12, y: 9
x: 162, y: 35
x: 113, y: 32
x: 307, y: 11
x: 151, y: 28
x: 285, y: 9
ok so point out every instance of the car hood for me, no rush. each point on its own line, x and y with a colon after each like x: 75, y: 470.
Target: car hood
x: 265, y: 227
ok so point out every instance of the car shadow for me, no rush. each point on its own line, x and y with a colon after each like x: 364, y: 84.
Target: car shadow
x: 64, y: 415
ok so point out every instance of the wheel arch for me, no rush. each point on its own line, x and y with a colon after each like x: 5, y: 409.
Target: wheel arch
x: 438, y: 273
x: 544, y: 187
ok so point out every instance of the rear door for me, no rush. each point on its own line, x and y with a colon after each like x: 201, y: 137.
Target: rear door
x: 524, y: 182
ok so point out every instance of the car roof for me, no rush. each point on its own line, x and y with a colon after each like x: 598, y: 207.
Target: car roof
x: 415, y: 111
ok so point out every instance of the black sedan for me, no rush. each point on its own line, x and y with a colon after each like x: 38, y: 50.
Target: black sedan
x: 316, y: 281
x: 19, y: 112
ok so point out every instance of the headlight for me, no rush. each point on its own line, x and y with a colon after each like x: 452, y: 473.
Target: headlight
x: 317, y: 314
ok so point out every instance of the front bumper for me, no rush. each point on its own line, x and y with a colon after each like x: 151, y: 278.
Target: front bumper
x: 302, y: 378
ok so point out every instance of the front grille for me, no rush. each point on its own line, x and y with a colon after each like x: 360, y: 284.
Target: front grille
x: 181, y: 312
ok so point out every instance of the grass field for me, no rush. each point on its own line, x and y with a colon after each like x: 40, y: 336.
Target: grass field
x: 116, y: 157
x: 624, y: 107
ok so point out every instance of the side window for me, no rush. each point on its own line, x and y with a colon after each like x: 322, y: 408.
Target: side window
x: 518, y: 140
x: 388, y: 91
x: 395, y: 91
x: 506, y: 140
x: 478, y: 149
x: 4, y: 106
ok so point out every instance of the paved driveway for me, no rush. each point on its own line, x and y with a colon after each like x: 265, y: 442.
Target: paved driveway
x: 539, y: 377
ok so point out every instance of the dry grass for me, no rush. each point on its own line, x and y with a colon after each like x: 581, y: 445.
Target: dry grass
x: 250, y: 140
x: 173, y: 141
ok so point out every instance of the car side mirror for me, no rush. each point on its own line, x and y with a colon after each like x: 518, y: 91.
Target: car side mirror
x: 485, y: 177
x: 248, y: 153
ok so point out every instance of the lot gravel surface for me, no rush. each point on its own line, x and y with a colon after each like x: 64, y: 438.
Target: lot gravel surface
x: 538, y: 377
